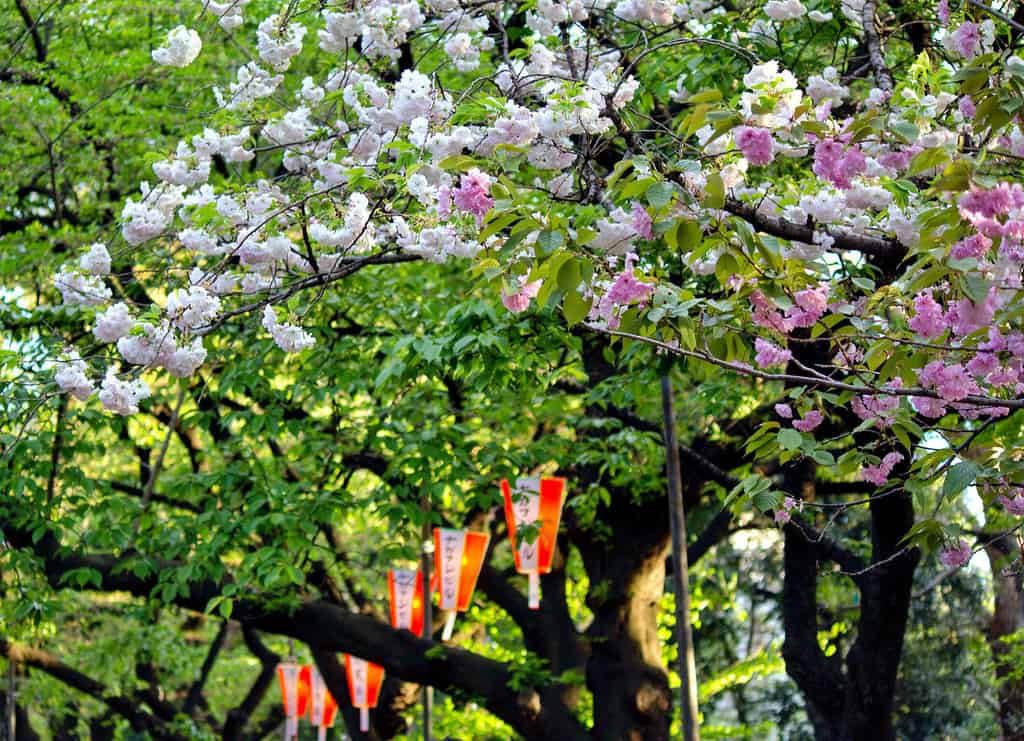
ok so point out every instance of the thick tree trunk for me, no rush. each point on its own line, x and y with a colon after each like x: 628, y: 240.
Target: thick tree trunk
x: 632, y: 699
x: 1007, y: 618
x: 873, y: 660
x: 856, y: 704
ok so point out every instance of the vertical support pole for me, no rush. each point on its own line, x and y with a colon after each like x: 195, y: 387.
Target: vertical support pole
x: 680, y: 568
x: 428, y: 608
x: 11, y: 717
x: 291, y: 725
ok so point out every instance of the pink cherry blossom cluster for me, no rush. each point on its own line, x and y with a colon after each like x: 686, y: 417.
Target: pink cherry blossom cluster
x: 624, y: 291
x: 837, y: 163
x: 785, y: 513
x: 756, y: 144
x: 879, y: 474
x: 955, y: 554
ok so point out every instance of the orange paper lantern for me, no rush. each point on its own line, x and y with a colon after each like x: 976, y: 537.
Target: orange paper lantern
x: 405, y: 593
x: 322, y: 707
x: 364, y: 680
x: 294, y: 680
x: 534, y: 502
x: 458, y: 558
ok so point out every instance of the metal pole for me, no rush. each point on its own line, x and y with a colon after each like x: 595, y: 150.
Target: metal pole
x: 680, y: 570
x: 428, y: 606
x: 11, y: 718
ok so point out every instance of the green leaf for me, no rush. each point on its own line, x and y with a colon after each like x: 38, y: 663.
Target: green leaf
x: 459, y: 162
x: 549, y: 241
x: 789, y: 439
x: 929, y: 159
x: 906, y: 130
x: 575, y: 308
x: 685, y: 237
x: 659, y: 194
x: 569, y: 276
x: 958, y: 477
x: 765, y: 501
x: 714, y: 191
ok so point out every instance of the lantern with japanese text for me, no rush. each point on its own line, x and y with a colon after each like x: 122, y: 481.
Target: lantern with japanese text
x: 294, y: 681
x: 458, y: 558
x: 322, y: 707
x: 405, y: 594
x: 364, y: 680
x: 535, y: 504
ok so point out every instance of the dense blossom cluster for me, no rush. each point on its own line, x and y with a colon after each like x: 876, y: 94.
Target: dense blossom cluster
x: 558, y: 163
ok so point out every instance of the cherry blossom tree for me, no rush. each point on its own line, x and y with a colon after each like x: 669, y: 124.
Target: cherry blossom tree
x: 821, y: 201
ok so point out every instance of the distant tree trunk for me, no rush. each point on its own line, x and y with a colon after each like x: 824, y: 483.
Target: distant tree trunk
x: 855, y: 704
x: 1007, y: 618
x: 23, y: 730
x: 873, y: 660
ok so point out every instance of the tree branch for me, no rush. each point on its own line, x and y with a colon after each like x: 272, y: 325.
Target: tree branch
x: 139, y: 720
x: 239, y: 716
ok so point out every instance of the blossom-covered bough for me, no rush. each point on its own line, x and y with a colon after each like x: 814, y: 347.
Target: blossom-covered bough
x: 854, y: 231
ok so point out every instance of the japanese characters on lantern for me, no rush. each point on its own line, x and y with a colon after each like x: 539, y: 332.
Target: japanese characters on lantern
x: 294, y: 680
x: 458, y: 556
x: 364, y: 680
x: 322, y: 707
x: 405, y: 594
x: 535, y: 504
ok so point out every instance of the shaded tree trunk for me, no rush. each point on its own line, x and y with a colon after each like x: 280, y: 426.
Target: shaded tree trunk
x: 625, y: 673
x: 857, y: 703
x: 1007, y: 618
x: 873, y: 660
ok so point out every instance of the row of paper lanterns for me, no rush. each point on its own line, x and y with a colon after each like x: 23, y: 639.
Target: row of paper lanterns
x: 458, y: 558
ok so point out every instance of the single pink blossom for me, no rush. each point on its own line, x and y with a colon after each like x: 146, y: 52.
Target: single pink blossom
x: 784, y: 410
x: 767, y: 315
x: 974, y: 246
x: 982, y: 364
x: 928, y: 320
x: 965, y: 317
x: 473, y: 196
x: 769, y: 355
x: 642, y: 221
x: 942, y: 10
x: 878, y: 408
x: 995, y: 342
x: 782, y: 516
x: 519, y: 301
x: 955, y: 383
x: 879, y: 474
x: 1003, y: 376
x: 626, y: 289
x: 953, y: 556
x: 928, y: 407
x: 810, y: 421
x: 967, y: 39
x: 1013, y: 505
x: 1015, y: 344
x: 967, y: 107
x: 1012, y: 250
x: 811, y: 304
x: 899, y: 160
x: 756, y: 144
x: 444, y: 201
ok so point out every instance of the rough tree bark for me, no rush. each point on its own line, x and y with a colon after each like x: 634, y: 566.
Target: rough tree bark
x: 857, y: 703
x: 1007, y: 618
